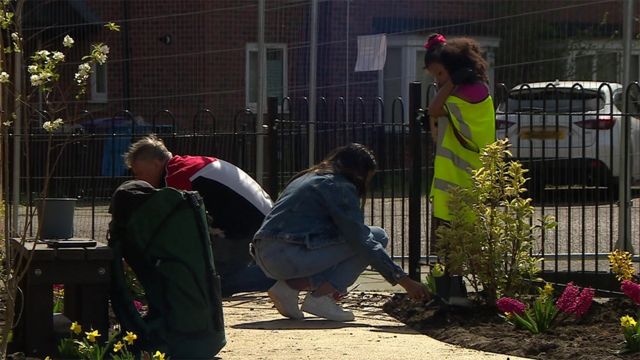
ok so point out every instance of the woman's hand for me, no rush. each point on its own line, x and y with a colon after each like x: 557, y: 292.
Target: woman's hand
x: 415, y: 290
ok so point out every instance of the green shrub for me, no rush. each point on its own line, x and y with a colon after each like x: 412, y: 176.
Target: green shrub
x: 490, y: 238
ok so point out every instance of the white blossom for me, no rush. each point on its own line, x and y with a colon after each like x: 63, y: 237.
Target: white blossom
x: 35, y: 80
x: 101, y: 59
x: 58, y: 56
x: 100, y: 54
x: 43, y: 53
x: 68, y: 41
x: 46, y: 76
x: 32, y: 69
x: 85, y: 67
x: 15, y: 36
x: 51, y: 126
x: 84, y: 70
x: 4, y: 77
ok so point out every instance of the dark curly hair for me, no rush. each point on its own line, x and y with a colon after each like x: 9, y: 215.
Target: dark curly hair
x: 457, y: 54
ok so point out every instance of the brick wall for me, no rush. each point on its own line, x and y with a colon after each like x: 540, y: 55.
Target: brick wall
x: 204, y: 65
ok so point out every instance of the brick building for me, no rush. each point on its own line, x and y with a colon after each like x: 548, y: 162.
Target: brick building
x: 192, y: 54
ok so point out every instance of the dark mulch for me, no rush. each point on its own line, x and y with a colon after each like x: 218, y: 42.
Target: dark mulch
x: 598, y: 335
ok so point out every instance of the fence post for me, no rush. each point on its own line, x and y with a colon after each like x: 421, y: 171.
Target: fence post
x: 415, y: 179
x: 272, y: 146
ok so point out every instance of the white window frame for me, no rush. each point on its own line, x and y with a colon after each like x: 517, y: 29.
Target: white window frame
x: 593, y: 48
x: 98, y: 97
x: 285, y: 73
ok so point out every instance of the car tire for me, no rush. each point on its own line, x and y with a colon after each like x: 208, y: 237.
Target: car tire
x: 535, y: 190
x: 612, y: 193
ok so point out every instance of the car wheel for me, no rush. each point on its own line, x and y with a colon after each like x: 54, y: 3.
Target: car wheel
x: 612, y: 193
x: 535, y: 189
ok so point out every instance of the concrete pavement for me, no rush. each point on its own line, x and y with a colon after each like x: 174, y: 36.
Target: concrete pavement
x: 256, y: 331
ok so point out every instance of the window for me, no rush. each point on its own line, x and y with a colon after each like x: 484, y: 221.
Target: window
x: 554, y: 100
x: 276, y: 72
x: 600, y: 66
x: 98, y: 83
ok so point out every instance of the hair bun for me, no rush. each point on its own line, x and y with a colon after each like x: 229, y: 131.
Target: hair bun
x: 434, y: 40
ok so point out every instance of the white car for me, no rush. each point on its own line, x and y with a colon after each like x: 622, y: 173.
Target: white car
x: 568, y: 133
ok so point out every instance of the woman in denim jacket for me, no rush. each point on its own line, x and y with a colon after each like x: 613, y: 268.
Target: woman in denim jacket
x: 315, y: 238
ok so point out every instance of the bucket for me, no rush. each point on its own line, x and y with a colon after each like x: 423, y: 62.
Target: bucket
x: 58, y: 217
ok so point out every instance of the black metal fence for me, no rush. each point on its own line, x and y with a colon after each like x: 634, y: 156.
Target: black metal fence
x: 580, y: 142
x: 570, y: 136
x: 295, y: 143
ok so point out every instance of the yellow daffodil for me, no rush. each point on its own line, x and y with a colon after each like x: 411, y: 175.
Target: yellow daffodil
x: 76, y: 328
x: 627, y: 321
x: 622, y: 265
x: 47, y: 358
x: 92, y: 335
x: 118, y: 346
x: 130, y: 337
x: 158, y: 356
x: 546, y: 291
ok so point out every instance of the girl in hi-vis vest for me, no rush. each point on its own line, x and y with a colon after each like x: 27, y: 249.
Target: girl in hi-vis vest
x: 461, y: 116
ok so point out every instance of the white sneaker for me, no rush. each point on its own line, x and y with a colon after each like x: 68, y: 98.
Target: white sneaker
x: 285, y: 299
x: 325, y: 307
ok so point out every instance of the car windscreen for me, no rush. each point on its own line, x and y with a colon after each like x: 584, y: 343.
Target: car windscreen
x: 553, y: 100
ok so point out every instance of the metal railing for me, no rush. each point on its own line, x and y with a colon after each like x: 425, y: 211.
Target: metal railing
x: 566, y: 135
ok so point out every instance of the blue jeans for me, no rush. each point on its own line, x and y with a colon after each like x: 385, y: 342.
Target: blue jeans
x: 245, y: 278
x: 337, y: 264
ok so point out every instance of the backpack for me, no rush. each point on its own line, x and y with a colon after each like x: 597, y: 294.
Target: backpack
x: 162, y: 234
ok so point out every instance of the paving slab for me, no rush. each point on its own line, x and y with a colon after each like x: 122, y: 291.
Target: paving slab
x: 256, y: 331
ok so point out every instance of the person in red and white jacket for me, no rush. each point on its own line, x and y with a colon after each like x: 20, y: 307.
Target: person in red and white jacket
x: 235, y: 202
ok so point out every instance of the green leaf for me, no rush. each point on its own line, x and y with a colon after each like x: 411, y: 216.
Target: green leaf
x: 112, y: 26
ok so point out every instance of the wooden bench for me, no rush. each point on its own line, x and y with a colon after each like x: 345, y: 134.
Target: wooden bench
x: 86, y: 275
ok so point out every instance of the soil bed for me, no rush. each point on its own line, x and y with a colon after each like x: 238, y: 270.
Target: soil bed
x: 597, y: 335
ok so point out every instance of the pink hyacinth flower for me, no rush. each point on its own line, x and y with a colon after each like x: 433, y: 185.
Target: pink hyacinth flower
x: 567, y: 301
x: 583, y: 302
x: 509, y: 305
x: 631, y: 289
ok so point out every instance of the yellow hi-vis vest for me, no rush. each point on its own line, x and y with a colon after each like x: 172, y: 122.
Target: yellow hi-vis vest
x: 462, y: 134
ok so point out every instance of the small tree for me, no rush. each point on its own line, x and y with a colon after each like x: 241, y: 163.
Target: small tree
x: 490, y: 239
x: 44, y: 77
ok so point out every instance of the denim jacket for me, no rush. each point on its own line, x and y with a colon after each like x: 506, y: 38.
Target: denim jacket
x: 318, y: 210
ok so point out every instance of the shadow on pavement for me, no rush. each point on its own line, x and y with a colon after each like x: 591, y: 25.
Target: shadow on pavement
x: 394, y: 329
x: 318, y: 324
